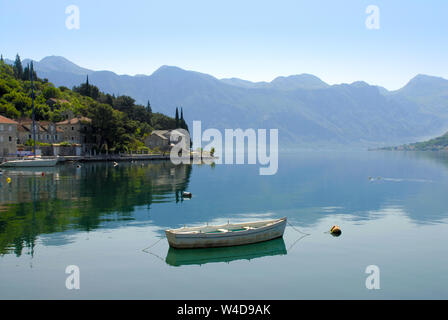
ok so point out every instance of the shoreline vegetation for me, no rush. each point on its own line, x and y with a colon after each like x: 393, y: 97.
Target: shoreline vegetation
x: 118, y: 123
x: 436, y: 144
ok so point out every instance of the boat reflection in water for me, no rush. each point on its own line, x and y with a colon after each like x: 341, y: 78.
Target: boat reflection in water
x: 180, y: 257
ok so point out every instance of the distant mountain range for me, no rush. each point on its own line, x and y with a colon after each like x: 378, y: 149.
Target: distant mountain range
x: 305, y: 109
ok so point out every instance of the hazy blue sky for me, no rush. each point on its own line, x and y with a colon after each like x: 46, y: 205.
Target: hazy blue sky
x: 254, y: 40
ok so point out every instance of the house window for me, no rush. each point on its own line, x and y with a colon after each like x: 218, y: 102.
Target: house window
x: 1, y: 127
x: 48, y: 137
x: 56, y: 137
x: 1, y: 138
x: 73, y: 138
x: 29, y: 136
x: 10, y: 128
x: 73, y: 128
x: 10, y: 139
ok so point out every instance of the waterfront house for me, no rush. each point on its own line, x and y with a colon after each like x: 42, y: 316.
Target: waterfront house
x: 8, y: 136
x: 180, y: 136
x: 164, y: 140
x: 46, y: 132
x: 158, y: 139
x: 77, y: 130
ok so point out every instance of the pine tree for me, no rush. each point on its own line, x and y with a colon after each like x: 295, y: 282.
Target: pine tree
x: 148, y: 108
x: 1, y: 59
x: 18, y: 69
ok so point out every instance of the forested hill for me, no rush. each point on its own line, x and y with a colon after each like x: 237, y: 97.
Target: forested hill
x: 436, y: 144
x: 119, y: 123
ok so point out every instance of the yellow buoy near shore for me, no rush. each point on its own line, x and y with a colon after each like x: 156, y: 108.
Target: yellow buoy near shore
x: 335, y: 231
x: 8, y: 180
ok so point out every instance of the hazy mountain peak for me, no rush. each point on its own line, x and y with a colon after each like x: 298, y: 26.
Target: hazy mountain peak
x: 61, y: 64
x: 423, y: 84
x: 168, y: 68
x: 300, y: 81
x: 179, y: 74
x: 360, y: 84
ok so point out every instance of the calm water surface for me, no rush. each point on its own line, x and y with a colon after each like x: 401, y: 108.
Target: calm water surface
x: 101, y: 218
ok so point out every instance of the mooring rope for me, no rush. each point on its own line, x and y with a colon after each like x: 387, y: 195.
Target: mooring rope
x: 297, y: 240
x: 144, y: 250
x: 297, y: 229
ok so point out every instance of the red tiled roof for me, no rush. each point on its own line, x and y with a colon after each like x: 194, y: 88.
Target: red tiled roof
x: 22, y: 128
x: 75, y: 120
x: 28, y: 127
x: 7, y: 120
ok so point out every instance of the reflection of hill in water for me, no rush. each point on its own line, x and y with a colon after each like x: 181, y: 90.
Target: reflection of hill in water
x: 67, y: 197
x: 180, y: 257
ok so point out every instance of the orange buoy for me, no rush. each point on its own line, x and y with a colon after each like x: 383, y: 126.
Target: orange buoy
x: 335, y: 231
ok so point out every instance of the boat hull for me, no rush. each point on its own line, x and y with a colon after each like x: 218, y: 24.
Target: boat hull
x: 181, y: 257
x: 272, y: 230
x: 30, y: 163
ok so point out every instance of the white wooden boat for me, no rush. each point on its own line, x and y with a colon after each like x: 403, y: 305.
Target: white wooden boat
x: 226, y: 235
x: 30, y: 163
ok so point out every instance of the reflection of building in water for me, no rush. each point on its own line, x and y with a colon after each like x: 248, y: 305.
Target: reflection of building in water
x: 33, y: 184
x: 67, y: 197
x: 68, y: 182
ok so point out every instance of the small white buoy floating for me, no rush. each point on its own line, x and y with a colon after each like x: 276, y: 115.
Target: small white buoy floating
x: 186, y: 194
x: 115, y: 164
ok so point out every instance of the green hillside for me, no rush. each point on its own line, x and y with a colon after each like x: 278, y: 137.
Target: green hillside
x: 118, y: 122
x: 436, y: 144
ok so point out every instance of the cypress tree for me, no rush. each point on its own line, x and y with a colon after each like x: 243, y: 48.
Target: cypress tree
x: 148, y: 108
x: 26, y: 73
x: 1, y: 59
x: 183, y: 124
x: 177, y: 118
x: 18, y: 69
x: 86, y: 88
